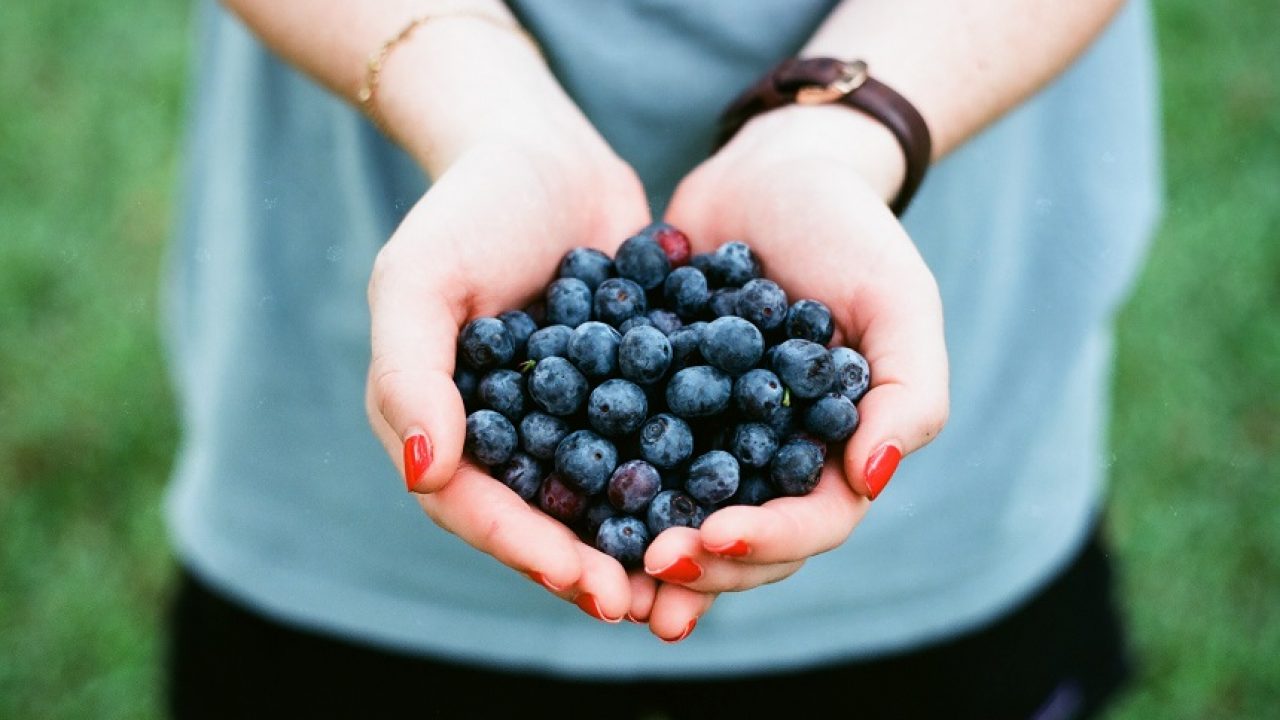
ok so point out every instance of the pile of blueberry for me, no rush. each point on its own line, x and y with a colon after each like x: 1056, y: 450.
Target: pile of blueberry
x: 647, y: 390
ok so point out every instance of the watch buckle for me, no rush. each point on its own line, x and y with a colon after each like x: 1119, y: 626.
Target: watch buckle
x: 852, y: 76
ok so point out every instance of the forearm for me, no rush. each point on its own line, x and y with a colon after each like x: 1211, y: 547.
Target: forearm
x: 456, y: 82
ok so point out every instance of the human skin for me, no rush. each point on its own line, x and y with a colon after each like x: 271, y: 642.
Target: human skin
x: 520, y: 176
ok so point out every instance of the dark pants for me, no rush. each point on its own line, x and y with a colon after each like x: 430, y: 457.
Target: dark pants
x: 1059, y: 655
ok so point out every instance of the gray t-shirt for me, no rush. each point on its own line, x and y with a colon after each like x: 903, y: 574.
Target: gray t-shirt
x: 283, y: 499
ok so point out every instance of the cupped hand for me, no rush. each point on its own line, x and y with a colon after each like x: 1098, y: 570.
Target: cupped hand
x: 807, y: 189
x: 487, y: 238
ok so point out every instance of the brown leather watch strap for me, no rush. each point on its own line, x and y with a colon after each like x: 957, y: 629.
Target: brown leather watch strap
x: 829, y: 80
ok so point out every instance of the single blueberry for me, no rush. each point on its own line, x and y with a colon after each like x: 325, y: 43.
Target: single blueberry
x: 666, y: 441
x: 561, y: 500
x: 520, y: 326
x: 713, y: 478
x: 491, y: 438
x: 796, y: 466
x: 641, y: 259
x: 734, y: 265
x: 623, y: 539
x: 665, y: 320
x: 568, y: 302
x: 673, y: 508
x: 831, y: 418
x: 753, y: 444
x: 757, y: 393
x: 586, y: 461
x: 703, y: 261
x: 557, y: 386
x: 674, y: 243
x: 484, y: 343
x: 634, y: 321
x: 619, y: 299
x: 754, y: 488
x: 782, y: 421
x: 763, y: 303
x: 633, y: 485
x: 684, y: 345
x: 593, y: 349
x: 617, y: 407
x: 853, y: 374
x: 805, y: 367
x: 723, y: 302
x: 540, y: 433
x: 686, y: 292
x: 598, y: 510
x: 523, y: 474
x: 467, y: 381
x: 699, y: 391
x: 552, y: 340
x: 732, y: 344
x: 503, y: 390
x: 644, y: 355
x: 586, y: 264
x: 810, y: 320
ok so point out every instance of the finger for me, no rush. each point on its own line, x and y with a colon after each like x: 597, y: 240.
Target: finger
x: 604, y: 590
x: 643, y: 591
x: 492, y: 518
x: 677, y: 556
x: 676, y: 611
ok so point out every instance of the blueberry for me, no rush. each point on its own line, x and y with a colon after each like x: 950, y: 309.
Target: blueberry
x: 634, y: 321
x: 644, y: 355
x: 485, y: 343
x: 734, y: 265
x: 713, y: 477
x: 561, y: 500
x: 853, y: 374
x: 674, y: 243
x: 796, y: 466
x: 666, y: 441
x: 503, y: 390
x: 585, y: 460
x: 831, y: 418
x: 623, y: 539
x: 753, y: 444
x: 540, y: 433
x: 550, y: 340
x: 732, y: 344
x: 524, y: 474
x: 633, y: 485
x: 684, y: 345
x: 520, y: 326
x: 673, y: 508
x: 557, y: 386
x: 805, y: 367
x: 810, y: 320
x: 757, y: 393
x: 491, y: 438
x: 703, y: 261
x: 593, y: 349
x: 699, y: 391
x: 619, y: 299
x: 586, y: 264
x: 467, y: 381
x: 763, y: 303
x: 568, y: 302
x: 641, y: 259
x: 754, y: 488
x: 665, y: 320
x: 617, y: 407
x: 782, y: 421
x: 723, y: 302
x: 686, y: 292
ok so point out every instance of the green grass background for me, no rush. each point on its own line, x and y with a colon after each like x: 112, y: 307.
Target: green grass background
x: 91, y: 104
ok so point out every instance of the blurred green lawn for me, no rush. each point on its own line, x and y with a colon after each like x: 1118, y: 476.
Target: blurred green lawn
x: 90, y: 116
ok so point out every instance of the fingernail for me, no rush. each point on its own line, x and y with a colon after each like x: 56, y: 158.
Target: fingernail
x: 587, y: 602
x: 737, y: 548
x: 541, y: 580
x: 417, y: 458
x: 687, y: 630
x: 632, y: 619
x: 880, y: 467
x: 684, y: 570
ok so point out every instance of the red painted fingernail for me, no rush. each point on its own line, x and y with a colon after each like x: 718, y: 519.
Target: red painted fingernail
x: 880, y: 467
x: 417, y: 458
x: 587, y: 602
x: 684, y: 570
x: 687, y: 630
x: 542, y: 580
x: 737, y: 548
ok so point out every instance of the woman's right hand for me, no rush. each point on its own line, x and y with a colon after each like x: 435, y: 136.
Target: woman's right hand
x: 486, y: 238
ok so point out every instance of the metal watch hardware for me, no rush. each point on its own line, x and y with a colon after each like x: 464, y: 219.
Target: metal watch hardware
x: 852, y: 78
